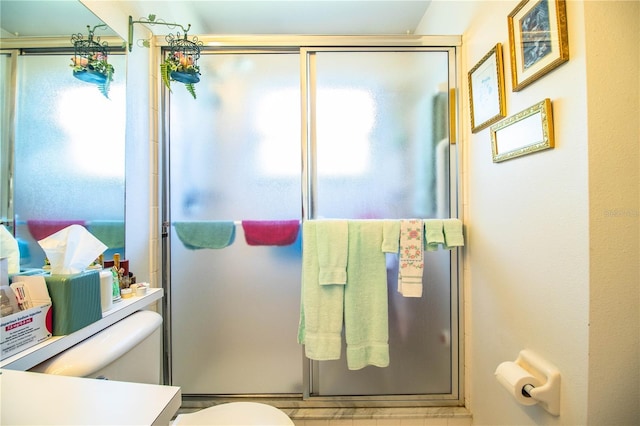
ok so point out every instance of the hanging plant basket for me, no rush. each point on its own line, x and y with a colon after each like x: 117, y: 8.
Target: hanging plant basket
x: 90, y: 76
x: 181, y: 63
x: 95, y: 70
x: 184, y: 77
x: 89, y: 61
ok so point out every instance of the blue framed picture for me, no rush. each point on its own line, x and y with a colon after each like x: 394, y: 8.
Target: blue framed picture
x: 538, y: 40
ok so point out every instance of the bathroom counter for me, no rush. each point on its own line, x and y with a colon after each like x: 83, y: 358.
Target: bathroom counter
x: 34, y: 355
x: 81, y: 401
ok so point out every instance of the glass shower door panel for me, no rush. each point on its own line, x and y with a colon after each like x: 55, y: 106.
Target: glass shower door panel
x: 235, y: 155
x: 380, y: 156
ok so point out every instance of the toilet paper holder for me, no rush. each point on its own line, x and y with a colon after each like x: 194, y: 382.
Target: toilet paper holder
x: 548, y: 393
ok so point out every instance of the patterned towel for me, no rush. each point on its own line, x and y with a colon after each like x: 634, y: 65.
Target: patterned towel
x: 411, y: 257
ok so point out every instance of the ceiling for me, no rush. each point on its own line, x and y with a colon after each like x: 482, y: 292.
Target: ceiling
x: 52, y: 18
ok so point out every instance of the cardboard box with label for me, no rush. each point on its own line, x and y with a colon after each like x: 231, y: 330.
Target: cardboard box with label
x: 24, y: 329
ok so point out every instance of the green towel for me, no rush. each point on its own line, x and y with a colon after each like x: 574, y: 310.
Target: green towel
x: 366, y: 317
x: 452, y: 233
x: 321, y: 308
x: 109, y: 232
x: 391, y: 236
x: 332, y: 237
x: 208, y: 234
x: 433, y: 234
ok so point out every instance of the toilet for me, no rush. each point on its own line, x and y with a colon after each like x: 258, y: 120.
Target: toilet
x: 128, y: 351
x: 235, y: 414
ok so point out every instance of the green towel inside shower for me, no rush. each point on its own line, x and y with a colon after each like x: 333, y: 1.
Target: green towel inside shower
x: 110, y: 232
x: 206, y: 234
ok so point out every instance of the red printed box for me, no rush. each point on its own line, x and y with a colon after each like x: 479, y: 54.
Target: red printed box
x: 24, y: 329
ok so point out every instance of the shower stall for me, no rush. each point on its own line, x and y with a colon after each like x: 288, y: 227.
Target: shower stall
x: 293, y: 133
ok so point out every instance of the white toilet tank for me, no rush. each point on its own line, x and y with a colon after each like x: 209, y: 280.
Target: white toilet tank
x: 128, y: 351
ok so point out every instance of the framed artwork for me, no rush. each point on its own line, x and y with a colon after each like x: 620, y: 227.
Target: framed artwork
x: 526, y: 132
x: 486, y: 90
x: 538, y: 40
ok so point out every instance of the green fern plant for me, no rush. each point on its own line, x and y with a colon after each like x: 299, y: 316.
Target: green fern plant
x: 165, y: 72
x: 181, y: 68
x: 191, y: 89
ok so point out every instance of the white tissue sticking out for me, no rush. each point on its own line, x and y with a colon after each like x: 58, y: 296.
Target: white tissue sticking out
x: 71, y: 250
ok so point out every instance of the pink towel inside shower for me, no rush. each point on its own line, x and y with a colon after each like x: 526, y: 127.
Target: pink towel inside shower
x: 270, y: 232
x: 41, y: 229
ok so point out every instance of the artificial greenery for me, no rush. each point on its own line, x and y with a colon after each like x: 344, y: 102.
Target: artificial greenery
x: 96, y: 63
x: 177, y: 62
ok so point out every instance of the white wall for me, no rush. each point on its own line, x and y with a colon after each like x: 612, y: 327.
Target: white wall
x: 141, y: 158
x: 613, y: 73
x: 548, y: 267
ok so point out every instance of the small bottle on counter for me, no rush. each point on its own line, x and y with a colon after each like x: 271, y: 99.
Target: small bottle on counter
x: 116, y: 277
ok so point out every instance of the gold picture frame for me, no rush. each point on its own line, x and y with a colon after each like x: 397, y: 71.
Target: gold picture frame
x: 529, y: 131
x: 538, y: 40
x: 486, y: 90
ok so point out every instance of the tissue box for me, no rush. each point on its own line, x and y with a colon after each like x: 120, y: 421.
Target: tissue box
x: 24, y: 329
x: 75, y: 299
x: 28, y: 272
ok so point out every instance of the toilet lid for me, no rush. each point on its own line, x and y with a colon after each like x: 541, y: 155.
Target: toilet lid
x: 236, y: 414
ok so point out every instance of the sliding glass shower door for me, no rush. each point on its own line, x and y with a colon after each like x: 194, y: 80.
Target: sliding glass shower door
x: 300, y: 135
x: 235, y: 155
x: 380, y: 152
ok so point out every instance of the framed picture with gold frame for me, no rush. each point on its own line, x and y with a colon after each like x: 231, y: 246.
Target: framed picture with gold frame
x: 529, y: 131
x: 538, y: 40
x: 486, y: 90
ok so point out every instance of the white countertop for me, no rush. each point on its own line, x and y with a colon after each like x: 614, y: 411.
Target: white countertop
x: 34, y: 355
x: 46, y: 399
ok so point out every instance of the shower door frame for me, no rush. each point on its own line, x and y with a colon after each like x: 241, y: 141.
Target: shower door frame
x: 303, y: 45
x: 308, y: 86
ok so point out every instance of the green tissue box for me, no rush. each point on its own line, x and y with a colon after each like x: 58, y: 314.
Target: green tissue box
x: 75, y: 299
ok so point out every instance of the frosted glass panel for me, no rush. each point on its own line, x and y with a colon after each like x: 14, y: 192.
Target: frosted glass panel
x: 69, y: 151
x: 380, y: 141
x: 235, y: 155
x: 381, y: 154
